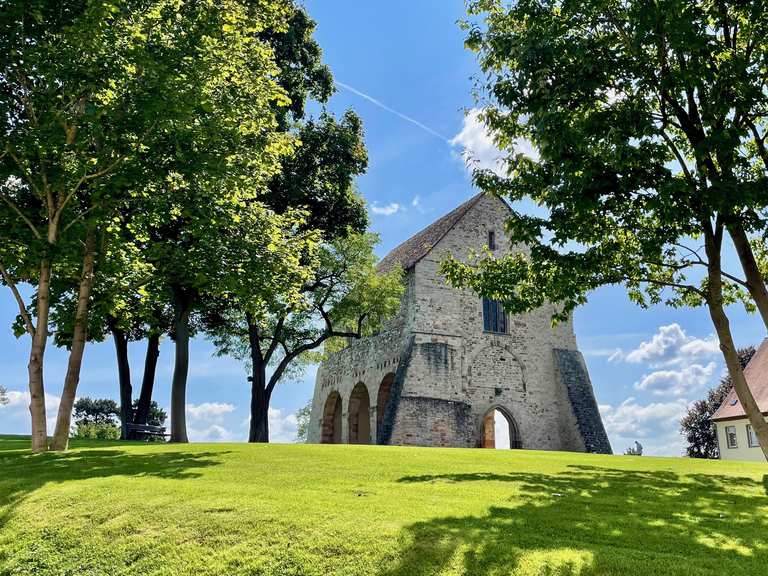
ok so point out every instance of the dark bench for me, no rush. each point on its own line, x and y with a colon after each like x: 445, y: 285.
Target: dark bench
x: 145, y: 431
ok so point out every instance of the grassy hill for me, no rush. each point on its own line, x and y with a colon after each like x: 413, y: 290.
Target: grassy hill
x: 237, y: 509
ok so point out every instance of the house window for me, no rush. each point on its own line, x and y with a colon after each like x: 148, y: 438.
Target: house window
x: 494, y: 316
x: 491, y: 240
x: 752, y: 438
x: 730, y: 436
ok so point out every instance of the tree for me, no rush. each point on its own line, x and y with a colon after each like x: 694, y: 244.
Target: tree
x: 156, y: 416
x: 100, y: 102
x: 697, y: 425
x: 3, y: 396
x: 642, y: 118
x: 96, y: 411
x: 302, y: 422
x: 343, y: 298
x: 318, y: 176
x: 96, y: 419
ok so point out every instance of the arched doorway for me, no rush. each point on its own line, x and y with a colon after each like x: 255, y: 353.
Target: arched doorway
x: 382, y: 399
x: 359, y: 419
x: 500, y: 430
x: 331, y: 432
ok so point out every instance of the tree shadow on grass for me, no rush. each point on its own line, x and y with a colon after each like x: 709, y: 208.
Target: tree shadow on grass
x: 596, y: 520
x: 21, y: 472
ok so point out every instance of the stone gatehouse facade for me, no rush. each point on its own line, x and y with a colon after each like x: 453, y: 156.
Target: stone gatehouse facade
x: 450, y: 360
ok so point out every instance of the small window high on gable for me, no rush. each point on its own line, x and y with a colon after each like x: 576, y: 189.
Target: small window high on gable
x: 494, y: 317
x: 491, y: 240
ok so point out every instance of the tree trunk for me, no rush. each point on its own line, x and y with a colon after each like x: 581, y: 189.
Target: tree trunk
x: 259, y: 428
x: 124, y: 378
x: 36, y: 355
x: 755, y: 280
x: 148, y: 382
x: 181, y: 305
x: 79, y: 337
x: 713, y: 244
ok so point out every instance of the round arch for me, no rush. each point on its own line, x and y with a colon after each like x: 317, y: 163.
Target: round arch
x: 488, y: 428
x: 382, y: 400
x: 331, y: 423
x: 359, y: 415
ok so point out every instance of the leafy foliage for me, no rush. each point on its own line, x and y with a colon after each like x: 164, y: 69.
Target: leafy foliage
x: 341, y: 297
x: 697, y: 426
x: 96, y: 411
x: 96, y: 431
x: 640, y: 117
x: 3, y: 396
x: 317, y: 177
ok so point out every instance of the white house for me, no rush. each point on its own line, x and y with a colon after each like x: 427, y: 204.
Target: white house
x: 735, y: 437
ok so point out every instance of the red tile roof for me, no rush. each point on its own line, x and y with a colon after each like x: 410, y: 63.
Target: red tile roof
x: 756, y: 374
x: 419, y: 245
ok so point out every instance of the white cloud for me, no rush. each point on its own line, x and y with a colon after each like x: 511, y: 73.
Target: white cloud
x: 15, y: 418
x: 689, y: 378
x: 209, y: 411
x: 213, y: 433
x: 654, y: 425
x: 672, y: 346
x: 478, y: 148
x: 387, y: 210
x: 282, y: 426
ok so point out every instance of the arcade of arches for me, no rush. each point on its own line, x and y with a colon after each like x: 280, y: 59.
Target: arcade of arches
x: 362, y: 418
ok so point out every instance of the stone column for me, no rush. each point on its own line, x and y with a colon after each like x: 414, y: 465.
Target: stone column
x: 373, y: 413
x: 344, y: 427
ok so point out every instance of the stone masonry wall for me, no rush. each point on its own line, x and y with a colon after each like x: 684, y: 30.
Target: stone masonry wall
x: 455, y: 372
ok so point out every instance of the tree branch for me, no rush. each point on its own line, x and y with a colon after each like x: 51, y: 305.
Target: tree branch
x: 18, y: 211
x: 19, y: 300
x: 276, y: 339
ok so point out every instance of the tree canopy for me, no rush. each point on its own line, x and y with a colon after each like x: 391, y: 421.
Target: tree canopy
x: 109, y: 108
x: 648, y: 122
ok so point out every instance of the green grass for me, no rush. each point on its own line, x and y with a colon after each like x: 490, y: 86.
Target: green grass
x: 236, y: 509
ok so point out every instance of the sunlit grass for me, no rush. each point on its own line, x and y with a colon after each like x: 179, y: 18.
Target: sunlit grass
x: 235, y: 509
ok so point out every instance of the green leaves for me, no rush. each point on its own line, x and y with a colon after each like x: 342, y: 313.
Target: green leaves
x: 640, y: 114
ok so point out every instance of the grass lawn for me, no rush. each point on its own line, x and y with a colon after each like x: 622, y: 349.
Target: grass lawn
x: 131, y: 509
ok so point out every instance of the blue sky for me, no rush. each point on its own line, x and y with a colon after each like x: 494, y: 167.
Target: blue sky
x: 408, y: 57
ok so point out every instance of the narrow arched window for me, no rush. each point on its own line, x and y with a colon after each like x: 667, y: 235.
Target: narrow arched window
x: 494, y: 316
x: 491, y: 240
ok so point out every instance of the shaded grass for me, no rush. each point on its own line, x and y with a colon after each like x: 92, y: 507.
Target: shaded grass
x: 111, y: 508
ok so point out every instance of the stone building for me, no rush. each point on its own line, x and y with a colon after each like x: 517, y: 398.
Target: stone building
x: 450, y: 361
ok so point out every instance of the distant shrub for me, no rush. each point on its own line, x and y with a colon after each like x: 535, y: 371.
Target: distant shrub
x: 302, y: 422
x: 96, y: 431
x: 96, y: 419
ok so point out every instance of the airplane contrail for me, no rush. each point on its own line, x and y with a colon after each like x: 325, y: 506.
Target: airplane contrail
x: 395, y: 112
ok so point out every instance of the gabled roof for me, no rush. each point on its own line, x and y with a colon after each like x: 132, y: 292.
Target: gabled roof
x: 419, y: 245
x: 756, y: 374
